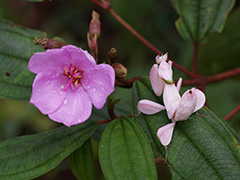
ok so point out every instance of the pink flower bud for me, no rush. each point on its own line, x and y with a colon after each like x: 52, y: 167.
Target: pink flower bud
x: 46, y: 43
x: 120, y: 70
x: 112, y: 55
x: 95, y: 25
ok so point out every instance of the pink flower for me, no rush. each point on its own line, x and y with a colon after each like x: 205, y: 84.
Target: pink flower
x: 68, y: 82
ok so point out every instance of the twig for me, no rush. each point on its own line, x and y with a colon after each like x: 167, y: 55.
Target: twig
x: 212, y: 79
x: 107, y: 6
x: 231, y: 114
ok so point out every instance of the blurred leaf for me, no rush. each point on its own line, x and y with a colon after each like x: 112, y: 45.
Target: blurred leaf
x: 125, y: 152
x: 202, y: 147
x: 34, y: 0
x: 27, y: 157
x: 82, y: 162
x: 17, y: 46
x: 221, y: 51
x: 199, y: 17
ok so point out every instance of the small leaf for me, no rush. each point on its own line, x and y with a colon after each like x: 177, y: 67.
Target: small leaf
x: 125, y: 152
x: 199, y: 17
x: 202, y: 146
x: 27, y: 157
x: 82, y: 162
x: 17, y: 46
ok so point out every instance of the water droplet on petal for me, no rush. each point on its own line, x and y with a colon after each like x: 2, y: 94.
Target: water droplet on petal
x: 79, y: 120
x: 54, y: 91
x: 94, y: 90
x: 65, y: 101
x: 39, y: 90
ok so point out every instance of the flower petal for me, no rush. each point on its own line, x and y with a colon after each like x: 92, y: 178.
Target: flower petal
x: 171, y: 99
x: 47, y: 94
x: 165, y: 71
x: 149, y: 107
x: 186, y: 106
x: 201, y: 98
x: 79, y: 58
x: 76, y: 108
x: 99, y: 83
x: 51, y: 59
x: 165, y: 133
x: 156, y: 81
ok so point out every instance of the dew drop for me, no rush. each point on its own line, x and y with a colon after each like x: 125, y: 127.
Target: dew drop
x: 88, y: 87
x: 54, y: 91
x: 101, y: 146
x: 65, y: 101
x: 47, y: 82
x: 79, y: 120
x: 39, y: 90
x: 94, y: 90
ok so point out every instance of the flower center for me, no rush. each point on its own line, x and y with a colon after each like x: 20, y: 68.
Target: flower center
x: 74, y: 76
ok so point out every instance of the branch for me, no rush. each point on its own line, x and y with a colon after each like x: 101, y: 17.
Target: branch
x: 212, y: 79
x: 107, y: 6
x: 231, y: 114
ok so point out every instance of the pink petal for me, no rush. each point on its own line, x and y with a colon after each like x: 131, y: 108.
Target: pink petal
x: 171, y: 99
x: 149, y: 107
x: 160, y: 58
x: 156, y: 81
x: 99, y: 83
x: 52, y: 59
x: 79, y: 58
x: 186, y: 106
x: 165, y: 71
x: 165, y: 133
x: 179, y: 84
x: 76, y: 108
x: 201, y: 98
x: 47, y: 94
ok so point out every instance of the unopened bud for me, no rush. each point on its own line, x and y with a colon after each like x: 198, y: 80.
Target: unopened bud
x: 95, y: 25
x: 120, y: 70
x: 46, y: 43
x: 112, y: 55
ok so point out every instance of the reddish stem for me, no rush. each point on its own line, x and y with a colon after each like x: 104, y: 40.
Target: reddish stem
x: 108, y: 7
x: 212, y: 79
x: 231, y: 114
x: 104, y: 121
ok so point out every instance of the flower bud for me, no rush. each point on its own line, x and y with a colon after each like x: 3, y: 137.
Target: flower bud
x: 112, y: 55
x: 120, y: 70
x: 46, y: 43
x: 95, y: 25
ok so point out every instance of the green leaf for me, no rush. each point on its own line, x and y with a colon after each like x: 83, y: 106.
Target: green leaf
x: 125, y: 152
x: 82, y: 162
x: 202, y: 146
x: 30, y: 156
x: 17, y: 46
x: 200, y: 17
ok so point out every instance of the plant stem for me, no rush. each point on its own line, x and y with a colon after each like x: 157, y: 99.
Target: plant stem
x: 231, y: 114
x: 108, y: 7
x: 212, y: 79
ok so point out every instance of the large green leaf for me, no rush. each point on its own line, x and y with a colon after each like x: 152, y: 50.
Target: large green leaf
x: 125, y: 152
x: 202, y: 146
x: 200, y: 17
x: 82, y: 162
x: 17, y: 46
x: 30, y: 156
